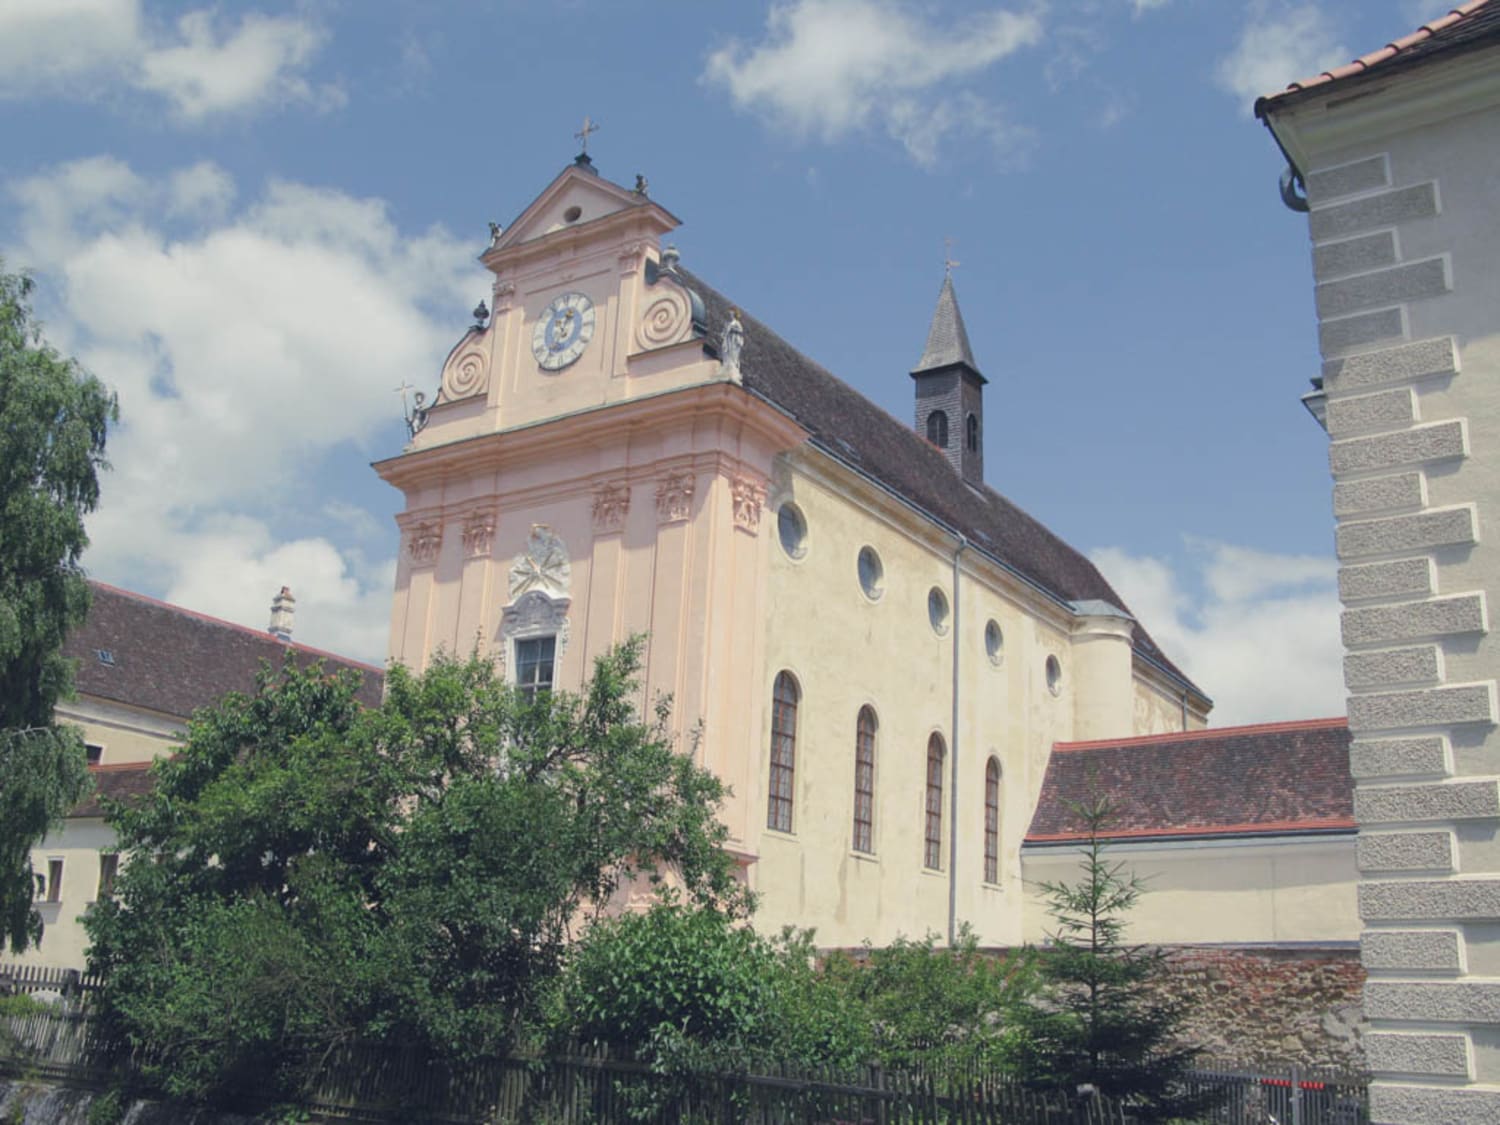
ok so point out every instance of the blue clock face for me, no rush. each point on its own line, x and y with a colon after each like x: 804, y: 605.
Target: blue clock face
x: 562, y: 331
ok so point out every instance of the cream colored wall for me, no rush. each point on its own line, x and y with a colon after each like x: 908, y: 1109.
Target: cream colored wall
x: 1240, y: 891
x: 848, y: 651
x: 126, y: 734
x: 78, y: 843
x: 1159, y: 710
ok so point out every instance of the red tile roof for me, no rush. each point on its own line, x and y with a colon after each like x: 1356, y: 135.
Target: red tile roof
x: 1467, y: 25
x: 129, y: 782
x: 1267, y: 779
x: 172, y: 660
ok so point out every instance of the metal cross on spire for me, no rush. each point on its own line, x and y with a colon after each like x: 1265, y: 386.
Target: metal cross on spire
x: 589, y: 127
x: 948, y: 259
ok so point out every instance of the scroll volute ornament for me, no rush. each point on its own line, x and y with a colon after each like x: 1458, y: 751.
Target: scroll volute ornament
x: 466, y: 373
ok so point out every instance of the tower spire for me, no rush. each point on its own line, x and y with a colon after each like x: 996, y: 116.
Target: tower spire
x: 949, y: 387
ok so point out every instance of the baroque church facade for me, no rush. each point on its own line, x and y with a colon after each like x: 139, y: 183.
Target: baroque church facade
x: 871, y: 647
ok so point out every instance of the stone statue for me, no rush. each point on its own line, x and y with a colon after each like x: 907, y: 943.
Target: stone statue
x: 731, y: 344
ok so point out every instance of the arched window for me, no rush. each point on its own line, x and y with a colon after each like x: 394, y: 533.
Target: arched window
x: 992, y: 822
x: 933, y: 855
x: 784, y: 699
x: 864, y: 781
x: 971, y: 432
x: 937, y: 429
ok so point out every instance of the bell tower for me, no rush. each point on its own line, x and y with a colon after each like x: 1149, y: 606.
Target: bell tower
x: 950, y: 390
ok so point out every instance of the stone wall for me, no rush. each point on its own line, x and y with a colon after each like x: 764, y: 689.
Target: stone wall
x: 1273, y: 1008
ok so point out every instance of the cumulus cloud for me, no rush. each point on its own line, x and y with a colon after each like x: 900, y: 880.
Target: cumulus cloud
x: 247, y: 343
x: 832, y: 68
x: 1258, y: 631
x: 1279, y: 44
x: 202, y: 67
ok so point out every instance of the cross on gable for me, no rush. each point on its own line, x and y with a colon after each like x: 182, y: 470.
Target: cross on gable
x: 589, y: 128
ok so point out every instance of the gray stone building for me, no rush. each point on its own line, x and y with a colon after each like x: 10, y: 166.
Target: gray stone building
x: 1397, y: 156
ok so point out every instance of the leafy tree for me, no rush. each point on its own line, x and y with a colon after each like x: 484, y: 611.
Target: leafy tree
x: 934, y: 1008
x: 1098, y: 1023
x: 305, y: 873
x: 53, y: 423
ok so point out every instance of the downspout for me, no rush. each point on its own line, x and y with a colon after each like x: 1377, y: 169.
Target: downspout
x: 963, y: 545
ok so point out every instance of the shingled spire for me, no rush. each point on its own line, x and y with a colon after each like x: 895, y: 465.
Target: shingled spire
x: 950, y: 390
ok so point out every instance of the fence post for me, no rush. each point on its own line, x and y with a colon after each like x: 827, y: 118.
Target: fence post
x: 1296, y: 1095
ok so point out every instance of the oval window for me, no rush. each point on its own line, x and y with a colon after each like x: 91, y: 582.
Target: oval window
x: 1054, y: 675
x: 793, y: 530
x: 937, y: 610
x: 994, y: 641
x: 871, y: 573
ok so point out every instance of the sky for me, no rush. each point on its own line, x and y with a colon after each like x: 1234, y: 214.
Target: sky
x: 255, y: 219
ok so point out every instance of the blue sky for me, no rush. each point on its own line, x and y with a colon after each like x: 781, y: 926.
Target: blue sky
x: 255, y: 219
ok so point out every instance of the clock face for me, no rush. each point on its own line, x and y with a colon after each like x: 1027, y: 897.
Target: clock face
x: 562, y: 331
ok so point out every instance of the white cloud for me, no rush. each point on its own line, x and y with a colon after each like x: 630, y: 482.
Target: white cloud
x: 1141, y: 7
x: 246, y: 343
x: 1278, y: 45
x: 1262, y: 638
x: 831, y: 68
x: 81, y: 48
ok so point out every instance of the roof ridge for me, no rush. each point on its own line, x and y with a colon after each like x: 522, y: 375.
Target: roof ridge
x: 209, y: 618
x: 119, y: 767
x: 1206, y: 734
x: 1384, y: 54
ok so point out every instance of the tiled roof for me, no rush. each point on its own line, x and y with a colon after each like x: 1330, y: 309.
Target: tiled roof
x: 171, y: 660
x: 947, y: 338
x: 128, y: 783
x: 1464, y: 27
x: 852, y: 429
x: 1270, y: 779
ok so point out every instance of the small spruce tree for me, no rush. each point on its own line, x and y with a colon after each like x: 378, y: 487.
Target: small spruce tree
x: 1101, y: 1023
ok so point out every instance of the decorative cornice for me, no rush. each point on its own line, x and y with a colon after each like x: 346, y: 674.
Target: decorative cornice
x: 674, y: 497
x: 611, y: 506
x: 749, y: 497
x: 423, y: 542
x: 479, y: 534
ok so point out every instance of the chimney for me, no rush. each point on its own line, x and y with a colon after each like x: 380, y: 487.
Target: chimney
x: 283, y: 609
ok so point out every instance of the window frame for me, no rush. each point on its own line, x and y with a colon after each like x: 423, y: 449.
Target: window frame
x: 781, y: 787
x: 992, y: 821
x: 937, y: 428
x: 971, y: 432
x: 530, y: 689
x: 109, y: 871
x: 866, y: 727
x: 932, y: 850
x: 54, y: 879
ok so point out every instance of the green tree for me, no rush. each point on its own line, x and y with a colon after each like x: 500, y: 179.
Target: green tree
x: 1101, y: 1022
x: 305, y: 873
x: 53, y: 422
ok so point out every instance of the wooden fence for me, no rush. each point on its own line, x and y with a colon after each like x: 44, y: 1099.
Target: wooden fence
x: 385, y: 1083
x: 41, y: 978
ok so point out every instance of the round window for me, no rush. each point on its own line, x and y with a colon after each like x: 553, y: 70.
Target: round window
x: 871, y: 573
x: 994, y: 641
x: 793, y: 530
x: 937, y: 610
x: 1054, y: 675
x: 572, y: 214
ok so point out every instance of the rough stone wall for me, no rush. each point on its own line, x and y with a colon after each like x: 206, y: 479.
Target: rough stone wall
x: 1271, y: 1008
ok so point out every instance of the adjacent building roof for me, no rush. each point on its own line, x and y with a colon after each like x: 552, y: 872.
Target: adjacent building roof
x: 1272, y: 779
x: 145, y: 653
x: 127, y: 783
x: 1464, y: 27
x: 852, y: 429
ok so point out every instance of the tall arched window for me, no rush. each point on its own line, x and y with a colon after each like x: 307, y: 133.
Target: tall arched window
x: 864, y: 781
x: 937, y: 429
x: 971, y: 432
x: 933, y: 854
x: 992, y: 822
x: 784, y: 699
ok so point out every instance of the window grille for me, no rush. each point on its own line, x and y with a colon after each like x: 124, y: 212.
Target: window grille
x: 864, y: 781
x: 934, y: 851
x: 992, y: 822
x: 534, y: 665
x: 783, y: 752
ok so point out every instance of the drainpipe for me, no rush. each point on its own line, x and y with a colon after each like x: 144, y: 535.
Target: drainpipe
x: 963, y: 545
x: 1184, y: 710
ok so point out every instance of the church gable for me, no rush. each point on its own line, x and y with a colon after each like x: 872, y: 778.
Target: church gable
x: 578, y: 196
